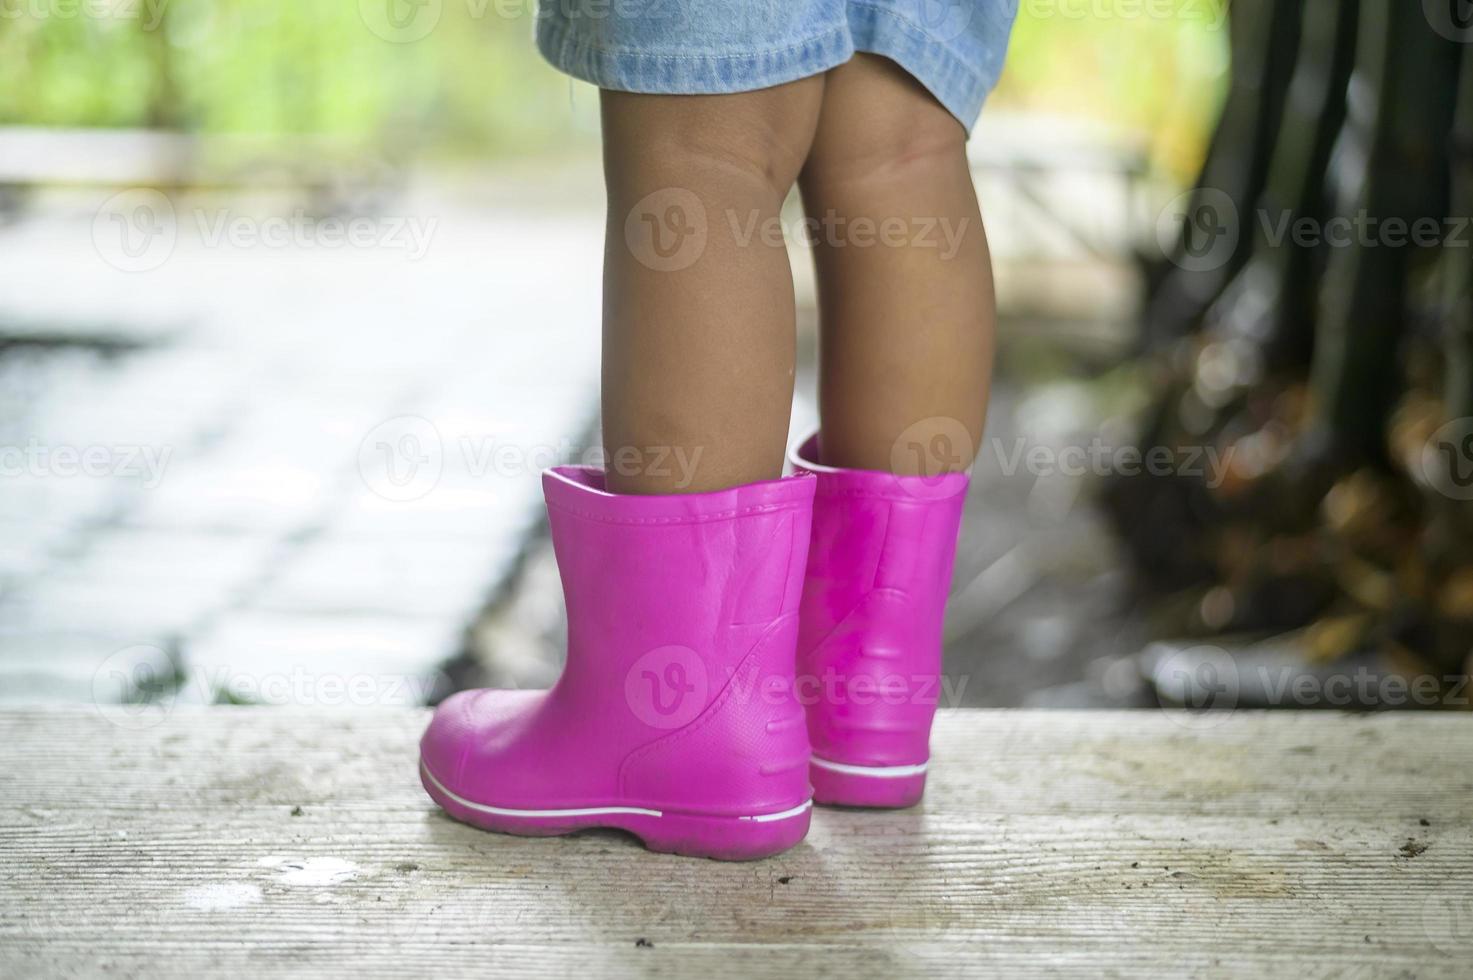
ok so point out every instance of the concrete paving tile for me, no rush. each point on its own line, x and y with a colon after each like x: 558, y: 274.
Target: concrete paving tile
x: 166, y: 560
x: 257, y: 655
x: 233, y: 495
x: 443, y: 577
x: 136, y: 608
x: 78, y: 665
x: 271, y: 535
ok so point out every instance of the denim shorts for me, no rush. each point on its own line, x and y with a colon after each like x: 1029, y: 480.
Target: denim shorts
x: 955, y: 48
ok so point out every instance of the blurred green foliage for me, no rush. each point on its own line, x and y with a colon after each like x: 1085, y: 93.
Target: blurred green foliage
x: 1155, y: 67
x: 475, y: 84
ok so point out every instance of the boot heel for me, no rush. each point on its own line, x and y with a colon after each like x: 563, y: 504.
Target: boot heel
x: 890, y: 787
x: 723, y: 838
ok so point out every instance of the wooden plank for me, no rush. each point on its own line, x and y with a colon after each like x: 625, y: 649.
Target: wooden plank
x: 240, y: 840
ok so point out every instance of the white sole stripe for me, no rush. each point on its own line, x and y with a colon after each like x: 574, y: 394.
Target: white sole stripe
x: 501, y: 811
x: 875, y: 772
x: 591, y: 811
x: 798, y: 810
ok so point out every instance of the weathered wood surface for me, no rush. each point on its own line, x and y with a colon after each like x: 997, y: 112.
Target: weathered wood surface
x: 244, y: 840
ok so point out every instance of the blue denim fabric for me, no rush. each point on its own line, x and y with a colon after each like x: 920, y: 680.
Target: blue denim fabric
x: 953, y: 47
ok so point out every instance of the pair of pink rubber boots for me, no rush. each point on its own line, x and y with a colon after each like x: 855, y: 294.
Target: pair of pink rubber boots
x: 733, y: 657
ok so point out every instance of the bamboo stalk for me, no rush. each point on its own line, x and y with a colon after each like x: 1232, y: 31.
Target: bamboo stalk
x: 1390, y: 164
x: 1457, y: 263
x: 1265, y: 41
x: 1272, y: 302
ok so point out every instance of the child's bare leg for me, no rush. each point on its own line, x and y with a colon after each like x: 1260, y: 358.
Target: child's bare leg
x: 699, y: 343
x: 907, y: 319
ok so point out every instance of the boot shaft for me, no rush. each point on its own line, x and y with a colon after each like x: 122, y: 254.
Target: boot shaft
x: 874, y: 601
x: 682, y: 630
x: 710, y: 573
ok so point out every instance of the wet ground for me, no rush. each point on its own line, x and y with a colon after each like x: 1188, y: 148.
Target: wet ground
x: 274, y: 471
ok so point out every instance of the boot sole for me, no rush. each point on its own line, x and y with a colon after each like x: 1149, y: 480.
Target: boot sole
x: 744, y: 838
x: 886, y: 787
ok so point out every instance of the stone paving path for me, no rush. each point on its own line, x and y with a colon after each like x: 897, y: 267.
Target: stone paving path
x: 275, y: 469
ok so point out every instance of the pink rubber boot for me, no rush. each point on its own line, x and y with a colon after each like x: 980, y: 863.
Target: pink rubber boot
x: 869, y: 644
x: 675, y: 717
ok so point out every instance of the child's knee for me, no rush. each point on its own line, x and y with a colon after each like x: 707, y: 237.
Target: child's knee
x: 754, y: 155
x: 895, y: 151
x: 755, y: 138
